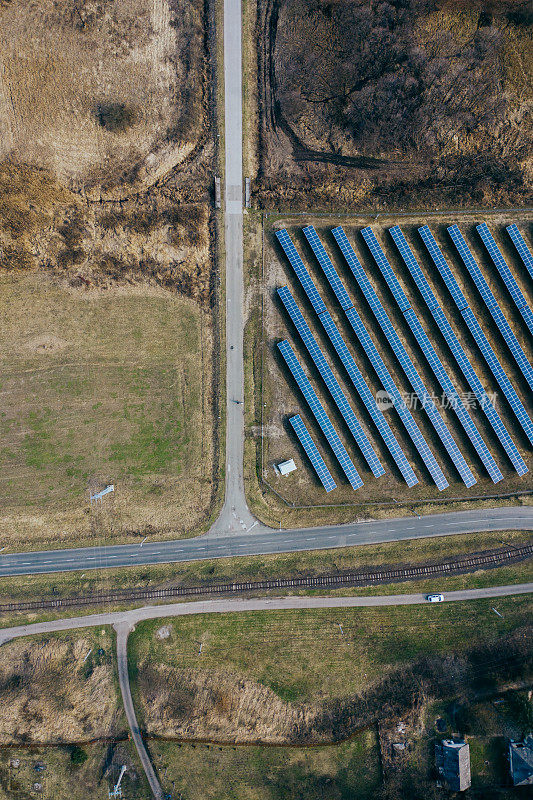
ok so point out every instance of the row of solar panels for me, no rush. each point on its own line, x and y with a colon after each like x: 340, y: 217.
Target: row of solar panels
x: 381, y: 316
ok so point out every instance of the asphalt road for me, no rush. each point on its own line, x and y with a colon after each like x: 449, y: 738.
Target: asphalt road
x: 123, y: 629
x: 234, y: 516
x: 262, y: 540
x: 127, y: 619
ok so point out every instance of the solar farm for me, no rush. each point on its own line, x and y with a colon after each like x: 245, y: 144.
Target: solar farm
x: 397, y: 360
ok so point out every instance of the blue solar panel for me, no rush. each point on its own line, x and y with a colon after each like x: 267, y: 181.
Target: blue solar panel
x: 470, y: 263
x: 522, y: 248
x: 442, y: 266
x: 379, y: 366
x: 457, y: 351
x: 368, y: 399
x: 453, y: 397
x: 418, y: 276
x: 329, y: 270
x: 528, y: 317
x: 482, y: 342
x: 496, y: 368
x: 390, y: 387
x: 388, y: 384
x: 492, y: 304
x: 403, y: 358
x: 433, y: 360
x: 311, y: 451
x: 330, y: 380
x: 301, y: 271
x: 386, y: 270
x: 319, y: 414
x: 500, y: 264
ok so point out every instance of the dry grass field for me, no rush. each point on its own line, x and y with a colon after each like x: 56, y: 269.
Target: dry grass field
x: 107, y: 276
x: 100, y: 92
x: 60, y: 689
x: 393, y: 105
x: 275, y: 396
x: 50, y: 772
x: 102, y: 387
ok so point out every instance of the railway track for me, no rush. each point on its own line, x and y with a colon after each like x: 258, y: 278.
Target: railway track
x: 488, y: 559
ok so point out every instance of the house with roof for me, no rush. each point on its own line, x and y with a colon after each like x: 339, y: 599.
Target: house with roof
x: 452, y: 759
x: 521, y: 762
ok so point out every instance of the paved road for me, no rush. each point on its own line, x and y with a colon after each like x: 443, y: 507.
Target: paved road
x: 262, y: 540
x: 127, y: 619
x: 235, y: 516
x: 123, y: 629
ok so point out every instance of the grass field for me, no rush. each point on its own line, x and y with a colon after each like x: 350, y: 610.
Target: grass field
x: 210, y: 772
x: 307, y: 656
x: 60, y: 778
x: 273, y: 396
x: 95, y: 92
x: 101, y: 388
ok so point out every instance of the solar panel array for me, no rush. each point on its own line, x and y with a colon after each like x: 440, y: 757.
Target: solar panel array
x: 327, y: 267
x: 330, y: 380
x: 458, y: 353
x: 403, y: 303
x: 301, y: 271
x: 312, y: 453
x: 522, y: 248
x: 392, y: 390
x: 367, y: 397
x: 317, y: 409
x: 492, y: 304
x: 446, y: 273
x: 386, y: 269
x: 404, y: 359
x: 477, y: 332
x: 506, y: 274
x: 377, y: 362
x: 432, y: 357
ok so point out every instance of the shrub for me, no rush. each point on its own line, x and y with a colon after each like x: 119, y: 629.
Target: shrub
x: 115, y: 117
x: 78, y: 755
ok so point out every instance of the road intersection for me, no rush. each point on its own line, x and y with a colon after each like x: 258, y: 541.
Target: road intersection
x: 236, y: 532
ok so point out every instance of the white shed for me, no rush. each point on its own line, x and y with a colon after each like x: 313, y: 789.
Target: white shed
x: 285, y: 467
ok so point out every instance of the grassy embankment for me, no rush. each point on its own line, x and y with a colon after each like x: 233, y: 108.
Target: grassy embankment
x: 317, y: 562
x: 305, y: 656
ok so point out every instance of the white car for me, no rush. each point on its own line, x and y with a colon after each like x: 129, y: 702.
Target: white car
x: 435, y: 598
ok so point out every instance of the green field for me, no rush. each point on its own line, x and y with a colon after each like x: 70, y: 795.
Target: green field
x: 213, y: 772
x: 60, y: 778
x: 310, y: 655
x: 96, y: 388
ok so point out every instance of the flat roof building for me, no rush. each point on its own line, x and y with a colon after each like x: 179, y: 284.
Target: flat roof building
x: 285, y: 467
x: 452, y: 760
